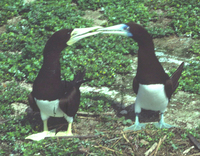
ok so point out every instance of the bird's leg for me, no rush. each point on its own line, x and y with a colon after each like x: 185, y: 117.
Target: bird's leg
x: 69, y: 129
x: 45, y: 126
x: 45, y: 129
x: 162, y: 124
x: 137, y: 126
x: 68, y: 132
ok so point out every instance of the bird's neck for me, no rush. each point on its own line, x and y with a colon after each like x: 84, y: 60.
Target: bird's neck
x: 146, y: 55
x: 47, y: 85
x: 51, y: 65
x: 148, y: 64
x: 52, y: 56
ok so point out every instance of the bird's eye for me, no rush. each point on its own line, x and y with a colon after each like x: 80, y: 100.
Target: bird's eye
x: 126, y: 28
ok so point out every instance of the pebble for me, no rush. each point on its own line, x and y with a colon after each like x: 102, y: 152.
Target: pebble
x: 123, y: 112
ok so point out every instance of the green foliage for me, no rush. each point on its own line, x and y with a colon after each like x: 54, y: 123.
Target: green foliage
x: 12, y: 130
x: 190, y: 81
x: 194, y: 132
x: 61, y: 147
x: 9, y: 9
x: 127, y: 122
x: 9, y: 94
x: 195, y: 49
x: 183, y: 15
x: 126, y: 11
x: 94, y: 103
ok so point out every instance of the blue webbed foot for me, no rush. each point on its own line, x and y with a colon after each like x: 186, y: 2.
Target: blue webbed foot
x: 135, y: 127
x: 162, y: 124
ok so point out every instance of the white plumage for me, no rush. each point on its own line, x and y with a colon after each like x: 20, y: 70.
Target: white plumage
x: 51, y: 108
x: 151, y: 97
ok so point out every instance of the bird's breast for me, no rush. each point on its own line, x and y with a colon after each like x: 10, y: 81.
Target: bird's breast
x: 49, y: 108
x: 151, y: 97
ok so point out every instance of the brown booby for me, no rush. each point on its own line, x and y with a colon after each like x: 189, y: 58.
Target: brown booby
x: 50, y: 95
x: 151, y: 84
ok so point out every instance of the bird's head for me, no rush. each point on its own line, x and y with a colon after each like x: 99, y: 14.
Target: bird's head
x: 131, y: 29
x: 66, y: 37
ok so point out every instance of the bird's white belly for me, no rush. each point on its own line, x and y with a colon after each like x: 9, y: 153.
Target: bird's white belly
x: 151, y: 97
x: 49, y: 108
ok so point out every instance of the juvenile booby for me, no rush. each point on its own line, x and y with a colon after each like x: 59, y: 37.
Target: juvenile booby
x: 50, y: 95
x: 151, y: 84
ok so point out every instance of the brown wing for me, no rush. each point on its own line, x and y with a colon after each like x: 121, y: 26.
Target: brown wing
x: 32, y: 103
x: 69, y: 104
x: 135, y: 85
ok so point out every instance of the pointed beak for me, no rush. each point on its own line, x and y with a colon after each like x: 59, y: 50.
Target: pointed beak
x: 120, y: 29
x: 80, y: 33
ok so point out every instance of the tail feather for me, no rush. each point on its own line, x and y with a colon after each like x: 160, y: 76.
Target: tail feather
x: 77, y: 81
x: 176, y: 75
x: 83, y: 81
x: 79, y: 76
